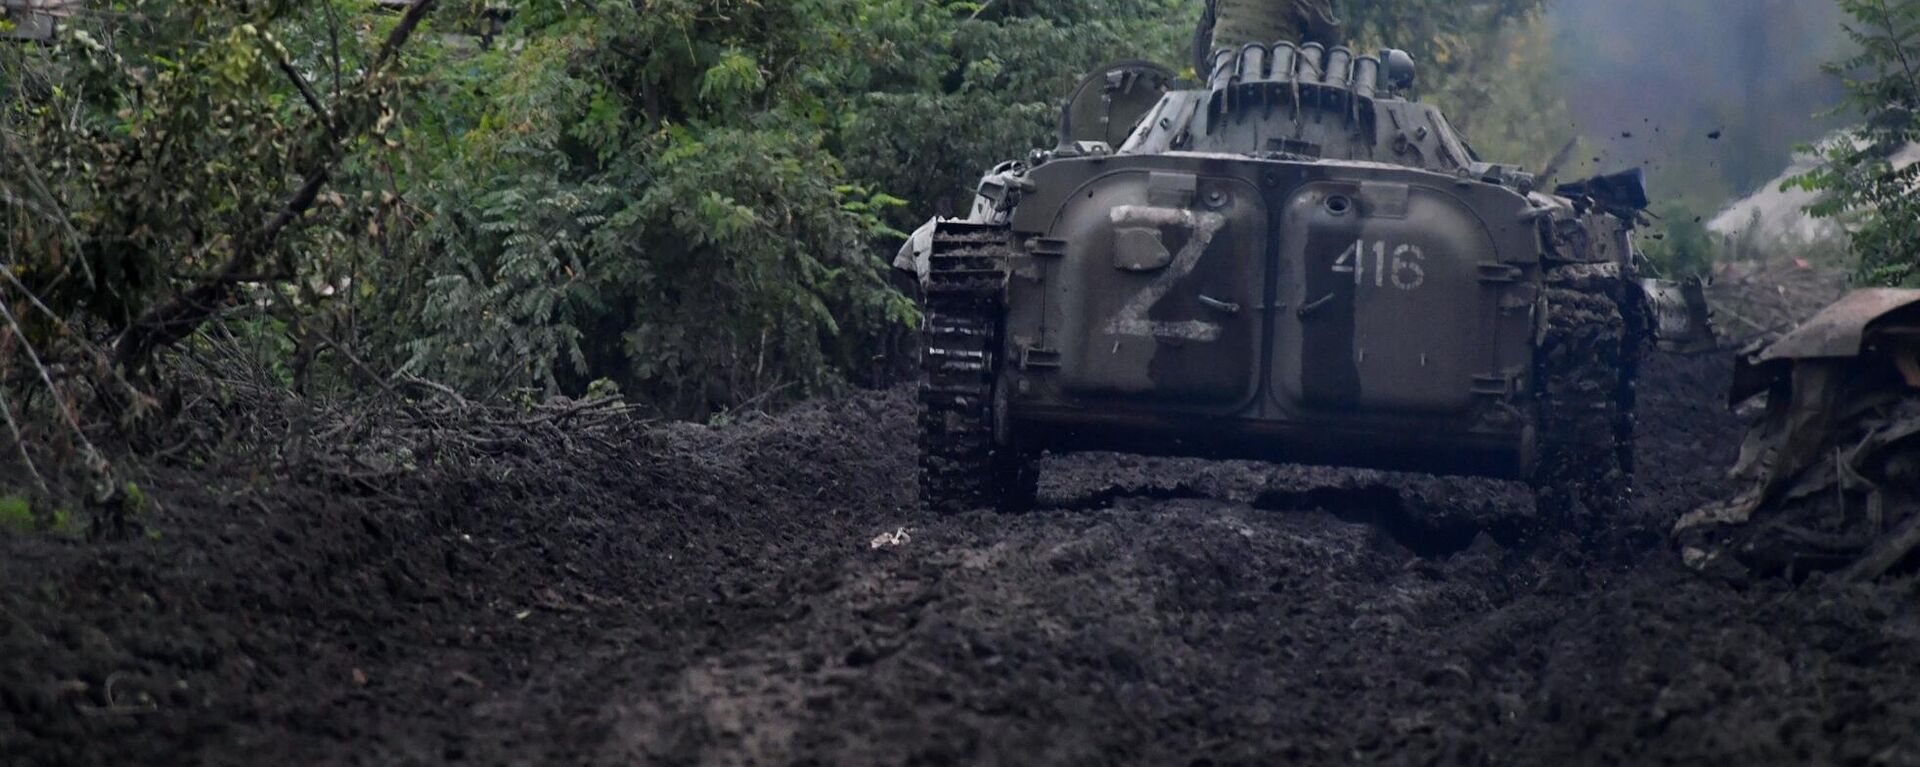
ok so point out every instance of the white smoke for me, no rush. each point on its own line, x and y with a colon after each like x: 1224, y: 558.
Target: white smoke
x: 1777, y: 214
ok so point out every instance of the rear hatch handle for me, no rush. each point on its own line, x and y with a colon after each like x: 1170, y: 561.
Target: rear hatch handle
x: 1218, y: 305
x: 1317, y: 304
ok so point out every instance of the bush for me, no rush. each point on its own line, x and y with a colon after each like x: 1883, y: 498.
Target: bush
x: 1865, y: 185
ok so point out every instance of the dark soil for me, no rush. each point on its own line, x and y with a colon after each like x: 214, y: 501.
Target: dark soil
x: 710, y: 596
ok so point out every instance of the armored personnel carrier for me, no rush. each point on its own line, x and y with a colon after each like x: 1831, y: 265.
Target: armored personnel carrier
x: 1291, y: 262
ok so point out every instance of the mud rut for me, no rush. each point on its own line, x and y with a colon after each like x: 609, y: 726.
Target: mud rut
x: 709, y: 596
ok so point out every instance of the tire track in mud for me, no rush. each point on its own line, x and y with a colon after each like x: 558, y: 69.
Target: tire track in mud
x: 1260, y: 610
x: 1008, y: 640
x: 711, y: 597
x: 1178, y: 612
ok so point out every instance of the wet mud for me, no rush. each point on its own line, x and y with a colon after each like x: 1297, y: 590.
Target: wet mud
x: 723, y: 595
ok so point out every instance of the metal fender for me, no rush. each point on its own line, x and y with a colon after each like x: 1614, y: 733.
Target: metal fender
x: 1682, y: 322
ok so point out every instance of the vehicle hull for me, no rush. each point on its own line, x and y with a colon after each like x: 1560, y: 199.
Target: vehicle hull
x: 1340, y: 313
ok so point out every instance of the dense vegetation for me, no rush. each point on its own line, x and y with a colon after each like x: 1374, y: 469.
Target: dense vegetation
x: 689, y: 202
x: 687, y: 199
x: 1870, y: 174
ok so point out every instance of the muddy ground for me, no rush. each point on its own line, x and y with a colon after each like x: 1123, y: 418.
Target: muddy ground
x: 710, y: 595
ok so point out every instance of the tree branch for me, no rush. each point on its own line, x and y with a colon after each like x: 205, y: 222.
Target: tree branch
x: 38, y: 186
x: 180, y: 316
x: 95, y: 462
x: 20, y: 442
x: 313, y: 100
x: 1899, y: 47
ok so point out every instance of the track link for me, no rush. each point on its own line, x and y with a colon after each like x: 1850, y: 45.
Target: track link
x: 964, y: 464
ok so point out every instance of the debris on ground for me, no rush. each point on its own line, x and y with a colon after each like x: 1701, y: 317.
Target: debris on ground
x: 895, y: 539
x: 1833, y: 461
x: 1756, y: 301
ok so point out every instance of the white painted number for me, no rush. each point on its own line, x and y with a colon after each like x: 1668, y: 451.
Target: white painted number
x: 1404, y: 270
x: 1408, y: 273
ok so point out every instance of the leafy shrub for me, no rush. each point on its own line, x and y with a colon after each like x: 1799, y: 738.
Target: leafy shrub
x: 693, y: 200
x: 1865, y: 184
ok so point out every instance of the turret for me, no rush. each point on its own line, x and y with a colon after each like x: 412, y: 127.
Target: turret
x: 1303, y: 102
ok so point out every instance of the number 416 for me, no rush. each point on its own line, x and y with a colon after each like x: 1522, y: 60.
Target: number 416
x: 1403, y: 269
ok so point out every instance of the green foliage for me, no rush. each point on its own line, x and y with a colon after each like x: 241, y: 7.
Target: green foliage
x: 693, y: 201
x: 65, y: 523
x: 952, y: 92
x: 603, y: 389
x: 134, y: 498
x: 1680, y: 246
x: 174, y: 91
x: 646, y: 198
x: 1486, y: 62
x: 1863, y: 183
x: 147, y: 147
x: 1509, y: 98
x: 690, y: 201
x: 16, y: 515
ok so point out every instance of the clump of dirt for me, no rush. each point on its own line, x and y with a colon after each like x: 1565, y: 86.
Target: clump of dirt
x: 726, y: 595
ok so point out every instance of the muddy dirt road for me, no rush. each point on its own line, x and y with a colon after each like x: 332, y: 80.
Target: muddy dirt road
x: 713, y: 596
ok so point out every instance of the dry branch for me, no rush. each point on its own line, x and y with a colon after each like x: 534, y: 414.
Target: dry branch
x: 376, y: 443
x: 94, y: 460
x: 20, y: 443
x: 182, y: 315
x: 1890, y: 552
x: 313, y: 99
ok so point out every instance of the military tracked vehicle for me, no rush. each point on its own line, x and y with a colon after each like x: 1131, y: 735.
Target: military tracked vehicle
x: 1295, y: 262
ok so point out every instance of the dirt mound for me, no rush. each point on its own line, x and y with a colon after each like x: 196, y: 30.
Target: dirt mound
x: 725, y: 596
x: 267, y: 619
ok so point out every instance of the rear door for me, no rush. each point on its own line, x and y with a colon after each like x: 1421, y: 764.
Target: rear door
x: 1388, y: 300
x: 1160, y: 290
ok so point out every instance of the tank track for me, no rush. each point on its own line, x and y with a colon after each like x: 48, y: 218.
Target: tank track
x: 964, y: 465
x: 1588, y: 364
